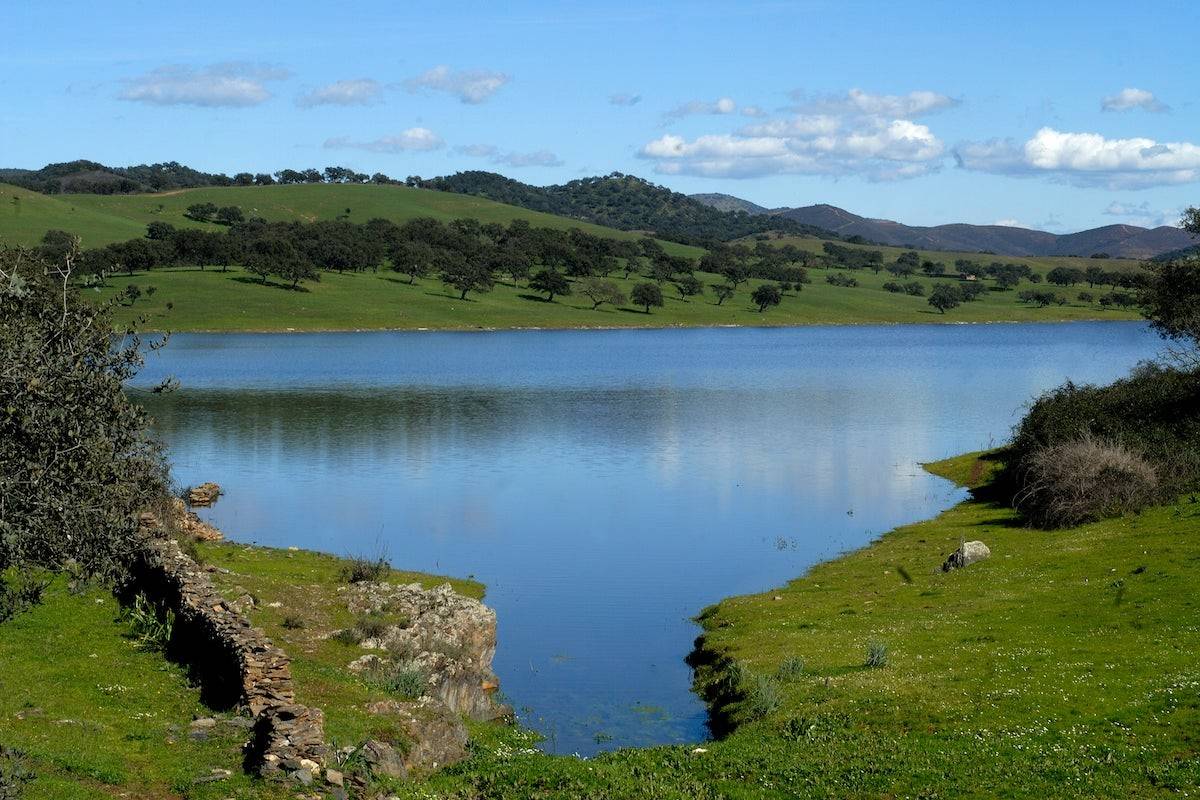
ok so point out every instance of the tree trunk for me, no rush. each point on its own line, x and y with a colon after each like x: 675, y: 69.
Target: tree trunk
x: 463, y: 296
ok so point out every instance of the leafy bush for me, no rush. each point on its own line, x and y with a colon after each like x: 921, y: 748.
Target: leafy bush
x: 1154, y: 412
x: 77, y: 460
x: 292, y: 623
x: 893, y: 287
x: 877, y: 655
x: 841, y: 279
x: 1085, y: 480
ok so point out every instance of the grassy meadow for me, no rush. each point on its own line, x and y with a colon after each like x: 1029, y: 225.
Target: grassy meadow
x: 102, y: 219
x: 212, y: 300
x: 1063, y: 666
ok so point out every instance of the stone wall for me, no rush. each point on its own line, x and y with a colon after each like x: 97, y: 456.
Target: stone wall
x: 235, y: 664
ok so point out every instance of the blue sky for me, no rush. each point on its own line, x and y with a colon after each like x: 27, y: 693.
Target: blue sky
x: 1051, y: 115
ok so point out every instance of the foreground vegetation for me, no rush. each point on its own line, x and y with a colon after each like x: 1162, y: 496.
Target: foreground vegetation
x: 1060, y: 667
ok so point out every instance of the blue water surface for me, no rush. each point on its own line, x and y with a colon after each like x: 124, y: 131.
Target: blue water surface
x: 604, y: 485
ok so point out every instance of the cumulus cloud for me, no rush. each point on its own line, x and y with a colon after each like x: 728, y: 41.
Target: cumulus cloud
x: 624, y: 99
x: 859, y: 102
x: 857, y: 133
x: 229, y: 84
x: 359, y: 92
x: 1087, y: 159
x: 1008, y: 223
x: 413, y: 139
x: 1129, y: 99
x: 469, y: 86
x: 878, y: 149
x: 537, y: 158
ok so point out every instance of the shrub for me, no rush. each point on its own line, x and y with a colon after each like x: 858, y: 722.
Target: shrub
x: 877, y: 655
x: 1154, y: 412
x: 1085, y: 480
x: 78, y: 462
x: 915, y: 288
x: 790, y: 670
x: 347, y: 636
x: 14, y: 773
x: 762, y: 697
x: 292, y: 623
x: 841, y: 279
x: 361, y: 569
x: 893, y: 287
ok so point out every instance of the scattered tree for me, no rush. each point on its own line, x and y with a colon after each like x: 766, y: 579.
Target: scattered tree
x: 647, y: 295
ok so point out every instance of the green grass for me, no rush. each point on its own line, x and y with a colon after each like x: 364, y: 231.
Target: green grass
x: 102, y: 219
x: 1042, y: 264
x: 1063, y: 666
x: 233, y: 301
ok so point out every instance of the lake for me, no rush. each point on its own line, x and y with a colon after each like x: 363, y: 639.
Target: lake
x: 604, y: 485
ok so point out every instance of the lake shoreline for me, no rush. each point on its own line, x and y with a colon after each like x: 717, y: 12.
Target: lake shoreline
x: 666, y: 326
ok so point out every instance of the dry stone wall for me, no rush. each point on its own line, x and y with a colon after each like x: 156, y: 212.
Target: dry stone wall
x: 235, y: 663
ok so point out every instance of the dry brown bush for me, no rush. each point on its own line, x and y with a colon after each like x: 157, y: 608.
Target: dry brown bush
x: 1084, y: 480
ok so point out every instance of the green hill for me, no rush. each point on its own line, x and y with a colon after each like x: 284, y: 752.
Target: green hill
x: 103, y: 219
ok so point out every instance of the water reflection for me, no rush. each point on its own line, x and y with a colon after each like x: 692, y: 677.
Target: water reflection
x: 604, y: 485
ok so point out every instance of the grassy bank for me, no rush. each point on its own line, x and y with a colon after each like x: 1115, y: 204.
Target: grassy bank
x: 234, y: 301
x: 1063, y: 666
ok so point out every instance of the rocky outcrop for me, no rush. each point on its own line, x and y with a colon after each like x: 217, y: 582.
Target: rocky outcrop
x: 235, y: 663
x: 451, y: 639
x: 203, y: 495
x: 435, y: 734
x: 179, y: 519
x: 967, y: 553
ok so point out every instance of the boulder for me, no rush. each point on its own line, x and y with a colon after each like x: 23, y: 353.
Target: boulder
x: 436, y: 735
x: 203, y: 495
x: 967, y: 553
x: 383, y: 759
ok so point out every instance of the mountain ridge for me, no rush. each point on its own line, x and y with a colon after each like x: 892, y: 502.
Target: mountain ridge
x: 1118, y: 241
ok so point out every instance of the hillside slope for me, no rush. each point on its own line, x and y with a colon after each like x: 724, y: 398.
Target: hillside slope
x: 102, y: 219
x: 626, y: 202
x: 1119, y: 241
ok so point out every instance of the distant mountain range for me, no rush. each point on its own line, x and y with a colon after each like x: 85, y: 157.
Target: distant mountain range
x: 1118, y: 241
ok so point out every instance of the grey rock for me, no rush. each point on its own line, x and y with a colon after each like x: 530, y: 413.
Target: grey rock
x: 968, y: 553
x: 382, y: 759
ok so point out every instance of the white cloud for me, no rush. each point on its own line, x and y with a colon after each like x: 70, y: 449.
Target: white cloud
x: 230, y: 84
x: 413, y: 139
x: 476, y: 150
x: 858, y: 102
x: 1087, y: 159
x: 537, y: 158
x: 469, y: 86
x: 1008, y: 223
x: 1128, y: 99
x: 1144, y: 214
x: 624, y: 99
x: 360, y: 92
x: 722, y: 106
x: 880, y: 150
x: 853, y: 134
